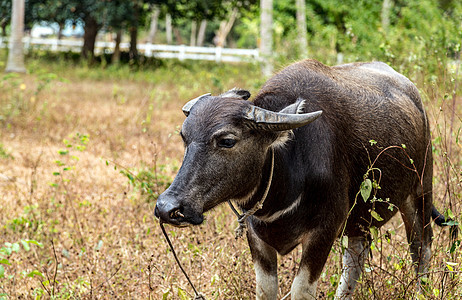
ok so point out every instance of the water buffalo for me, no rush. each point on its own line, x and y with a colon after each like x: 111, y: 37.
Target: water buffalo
x: 314, y: 136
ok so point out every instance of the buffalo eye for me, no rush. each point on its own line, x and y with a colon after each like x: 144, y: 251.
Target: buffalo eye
x: 226, y: 143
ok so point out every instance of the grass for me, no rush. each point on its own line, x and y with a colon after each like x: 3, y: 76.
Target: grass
x: 75, y: 222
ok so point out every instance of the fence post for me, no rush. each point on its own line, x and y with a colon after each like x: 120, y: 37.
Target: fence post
x: 148, y: 50
x: 54, y: 46
x: 181, y: 55
x: 27, y: 43
x: 218, y: 54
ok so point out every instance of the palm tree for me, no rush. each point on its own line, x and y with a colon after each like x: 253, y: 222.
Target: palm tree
x: 16, y: 53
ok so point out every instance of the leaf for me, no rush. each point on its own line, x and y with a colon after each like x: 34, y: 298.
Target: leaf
x: 35, y: 273
x: 450, y: 223
x: 165, y: 295
x: 2, y: 271
x: 99, y: 245
x: 376, y: 216
x: 182, y: 294
x: 374, y: 231
x: 15, y: 247
x: 366, y: 189
x: 25, y: 244
x: 448, y: 214
x: 35, y: 243
x: 63, y: 152
x: 5, y: 261
x: 6, y: 251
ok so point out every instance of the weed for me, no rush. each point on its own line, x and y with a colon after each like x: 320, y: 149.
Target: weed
x: 4, y: 153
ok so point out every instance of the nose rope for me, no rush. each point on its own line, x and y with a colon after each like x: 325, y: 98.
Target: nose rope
x: 241, y: 218
x: 198, y: 296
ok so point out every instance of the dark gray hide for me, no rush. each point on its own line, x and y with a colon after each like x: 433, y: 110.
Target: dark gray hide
x: 318, y: 167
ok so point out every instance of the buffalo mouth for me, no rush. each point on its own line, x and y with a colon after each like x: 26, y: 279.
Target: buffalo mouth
x: 179, y: 217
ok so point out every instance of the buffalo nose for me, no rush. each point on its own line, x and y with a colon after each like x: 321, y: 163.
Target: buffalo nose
x: 168, y: 211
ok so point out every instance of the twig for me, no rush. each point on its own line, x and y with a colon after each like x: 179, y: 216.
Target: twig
x: 105, y: 281
x: 56, y: 268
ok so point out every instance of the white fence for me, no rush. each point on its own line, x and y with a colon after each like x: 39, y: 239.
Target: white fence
x: 180, y: 52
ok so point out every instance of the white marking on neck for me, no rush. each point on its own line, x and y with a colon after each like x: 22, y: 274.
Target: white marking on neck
x: 244, y: 200
x: 280, y: 213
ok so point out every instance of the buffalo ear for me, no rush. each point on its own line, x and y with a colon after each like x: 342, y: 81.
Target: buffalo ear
x: 296, y: 108
x: 236, y: 93
x: 187, y: 107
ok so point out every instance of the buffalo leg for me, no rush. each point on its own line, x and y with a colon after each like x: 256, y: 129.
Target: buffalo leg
x: 265, y: 263
x: 316, y: 248
x: 416, y: 215
x: 353, y: 263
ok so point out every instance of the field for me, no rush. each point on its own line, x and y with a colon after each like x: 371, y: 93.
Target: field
x: 84, y: 152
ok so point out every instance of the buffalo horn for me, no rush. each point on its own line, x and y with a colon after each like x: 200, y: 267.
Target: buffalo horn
x: 276, y: 121
x: 187, y: 107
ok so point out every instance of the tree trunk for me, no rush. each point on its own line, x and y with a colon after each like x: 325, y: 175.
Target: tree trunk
x: 89, y: 38
x: 179, y: 39
x: 16, y: 52
x: 153, y: 26
x: 225, y: 28
x: 192, y: 39
x: 386, y: 7
x: 266, y: 36
x: 60, y: 31
x: 201, y: 33
x: 168, y: 28
x: 116, y: 54
x: 301, y: 28
x: 133, y: 52
x: 3, y: 26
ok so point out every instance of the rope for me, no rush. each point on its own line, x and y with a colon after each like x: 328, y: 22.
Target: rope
x: 198, y: 296
x: 239, y: 232
x: 241, y: 218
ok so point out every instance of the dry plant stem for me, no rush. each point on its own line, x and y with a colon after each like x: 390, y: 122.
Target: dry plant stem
x: 33, y: 177
x: 425, y: 274
x: 56, y: 268
x: 102, y: 283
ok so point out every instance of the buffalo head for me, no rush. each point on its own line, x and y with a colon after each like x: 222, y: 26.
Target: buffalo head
x: 226, y: 141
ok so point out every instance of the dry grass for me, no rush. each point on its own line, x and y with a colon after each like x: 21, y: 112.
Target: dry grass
x: 96, y: 231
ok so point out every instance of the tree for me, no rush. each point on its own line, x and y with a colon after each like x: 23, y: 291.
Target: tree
x: 16, y: 54
x: 225, y: 28
x: 301, y: 28
x: 201, y: 33
x: 153, y: 26
x: 266, y: 35
x: 5, y: 15
x: 385, y: 16
x: 49, y: 11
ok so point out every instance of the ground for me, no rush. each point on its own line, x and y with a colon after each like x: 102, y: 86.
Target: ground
x: 84, y: 153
